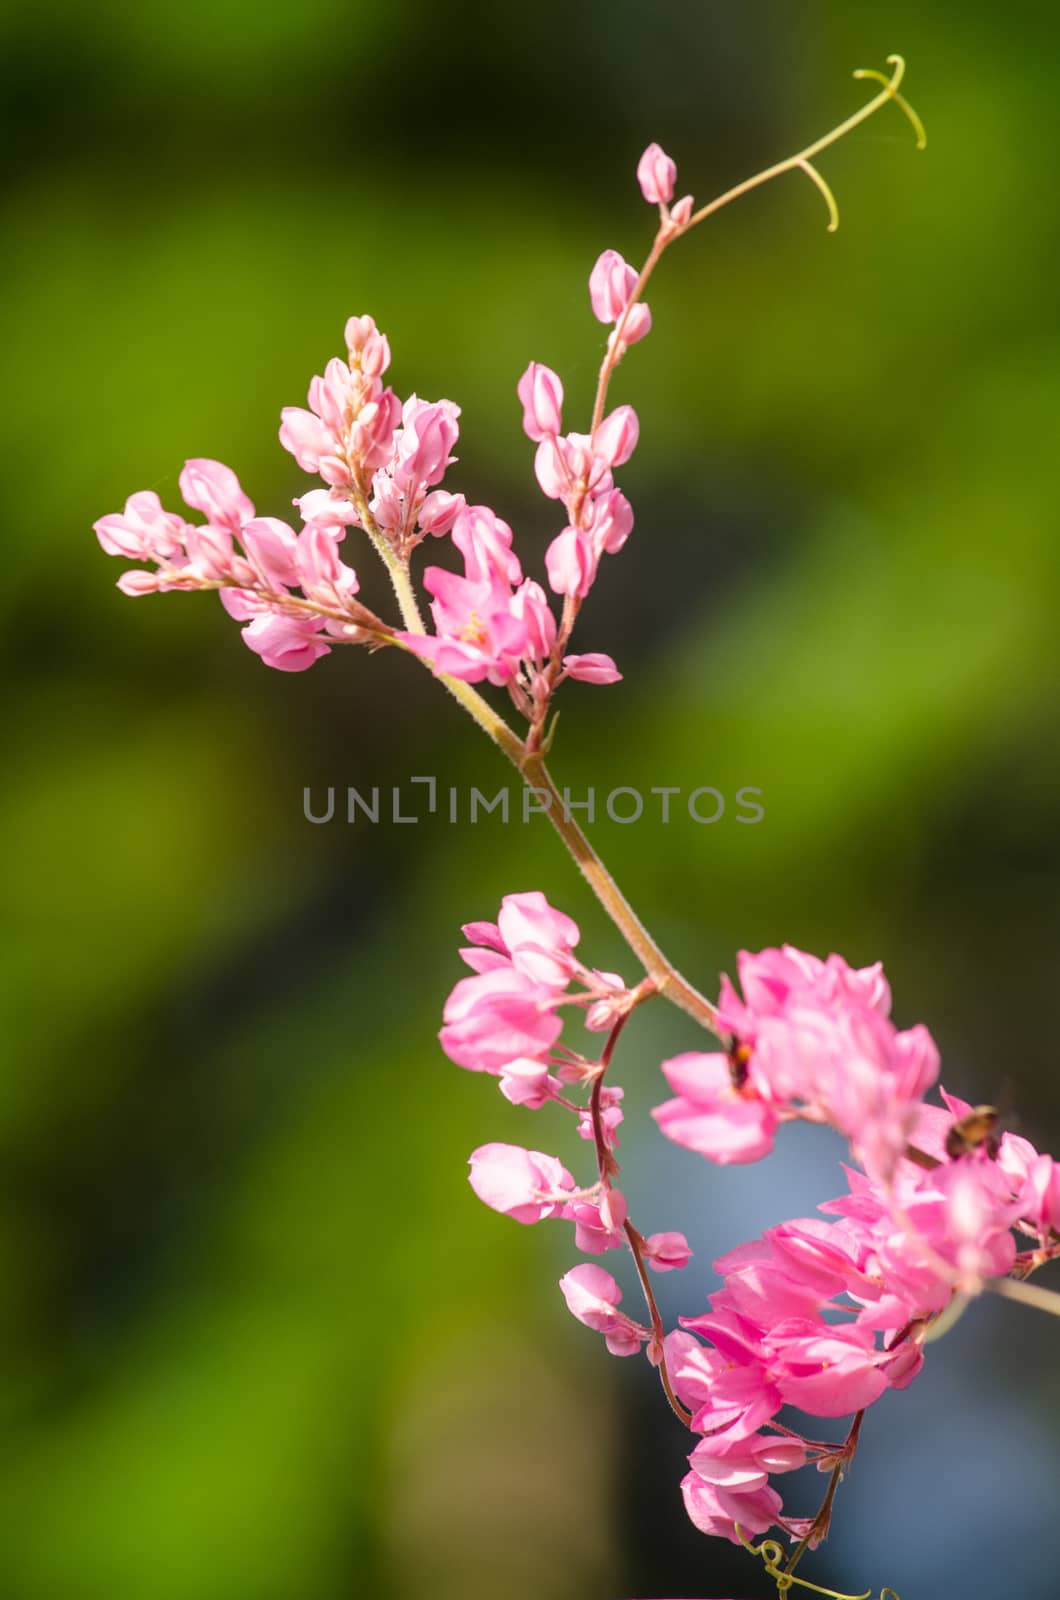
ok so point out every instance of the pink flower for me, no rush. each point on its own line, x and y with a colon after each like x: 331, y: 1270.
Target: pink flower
x: 541, y: 393
x: 498, y: 1017
x: 598, y: 1227
x: 711, y: 1115
x: 615, y: 440
x: 214, y: 489
x: 667, y: 1252
x: 523, y: 1184
x: 290, y: 644
x: 592, y: 1296
x: 592, y: 668
x: 143, y: 531
x: 485, y: 542
x: 729, y: 1483
x: 611, y: 285
x: 655, y: 174
x: 831, y: 1371
x: 477, y: 633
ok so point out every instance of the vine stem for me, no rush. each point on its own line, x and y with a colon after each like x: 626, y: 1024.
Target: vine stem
x: 526, y: 755
x: 607, y: 1168
x: 819, y: 1526
x: 531, y: 767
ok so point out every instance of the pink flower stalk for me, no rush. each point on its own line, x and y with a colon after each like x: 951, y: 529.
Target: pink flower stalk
x: 656, y: 174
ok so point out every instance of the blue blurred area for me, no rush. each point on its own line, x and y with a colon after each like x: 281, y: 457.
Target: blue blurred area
x: 260, y: 1340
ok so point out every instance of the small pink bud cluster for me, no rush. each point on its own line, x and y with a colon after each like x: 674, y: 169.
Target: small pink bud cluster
x: 348, y: 431
x: 256, y: 563
x: 657, y: 174
x: 504, y: 1021
x: 380, y: 458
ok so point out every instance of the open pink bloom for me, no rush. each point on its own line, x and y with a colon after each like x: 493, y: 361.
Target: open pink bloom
x: 656, y: 173
x: 532, y: 936
x: 711, y: 1115
x: 524, y: 1184
x: 478, y: 634
x: 818, y: 1043
x: 592, y: 1295
x: 831, y: 1371
x: 499, y: 1017
x: 729, y: 1483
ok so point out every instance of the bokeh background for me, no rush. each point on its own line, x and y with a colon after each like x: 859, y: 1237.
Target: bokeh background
x: 259, y: 1340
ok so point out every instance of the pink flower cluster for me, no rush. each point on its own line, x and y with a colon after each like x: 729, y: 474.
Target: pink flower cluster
x: 810, y: 1039
x: 822, y: 1314
x: 504, y: 1021
x: 256, y: 563
x: 383, y: 462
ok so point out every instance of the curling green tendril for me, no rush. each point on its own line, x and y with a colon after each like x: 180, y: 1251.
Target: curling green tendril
x: 803, y: 163
x: 771, y: 1553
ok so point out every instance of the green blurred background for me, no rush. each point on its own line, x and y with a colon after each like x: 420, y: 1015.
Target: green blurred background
x: 260, y: 1342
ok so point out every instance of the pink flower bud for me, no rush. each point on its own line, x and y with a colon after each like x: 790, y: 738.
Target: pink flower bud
x: 682, y: 210
x: 273, y: 548
x: 611, y: 521
x: 616, y: 438
x: 655, y: 174
x: 667, y: 1252
x: 210, y: 552
x: 636, y: 325
x: 305, y: 436
x: 571, y: 563
x: 541, y: 393
x: 137, y: 583
x: 549, y: 469
x: 592, y: 668
x: 439, y: 511
x: 213, y: 489
x: 611, y: 283
x: 368, y: 348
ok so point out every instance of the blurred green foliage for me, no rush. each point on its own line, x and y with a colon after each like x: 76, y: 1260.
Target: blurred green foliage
x: 260, y: 1342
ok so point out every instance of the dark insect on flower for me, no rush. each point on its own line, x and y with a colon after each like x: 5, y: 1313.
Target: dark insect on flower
x: 972, y: 1131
